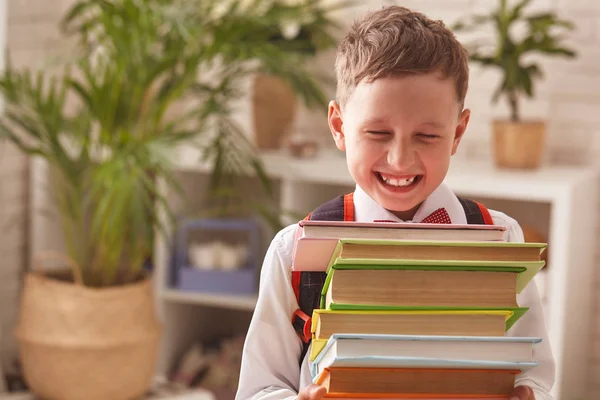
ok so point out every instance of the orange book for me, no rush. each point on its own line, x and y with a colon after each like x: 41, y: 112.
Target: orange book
x: 426, y: 397
x: 425, y: 383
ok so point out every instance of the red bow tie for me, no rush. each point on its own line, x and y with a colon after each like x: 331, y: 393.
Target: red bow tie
x: 439, y: 216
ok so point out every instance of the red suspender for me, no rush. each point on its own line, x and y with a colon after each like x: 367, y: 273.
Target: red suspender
x: 487, y: 218
x: 296, y: 284
x: 349, y: 207
x: 297, y: 275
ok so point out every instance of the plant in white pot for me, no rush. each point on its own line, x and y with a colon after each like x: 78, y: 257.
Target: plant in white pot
x: 147, y: 77
x: 518, y: 39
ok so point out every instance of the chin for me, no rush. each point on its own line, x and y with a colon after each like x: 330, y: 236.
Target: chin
x: 402, y: 208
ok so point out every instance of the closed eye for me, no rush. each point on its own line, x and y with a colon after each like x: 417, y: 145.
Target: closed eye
x: 427, y: 136
x: 378, y: 132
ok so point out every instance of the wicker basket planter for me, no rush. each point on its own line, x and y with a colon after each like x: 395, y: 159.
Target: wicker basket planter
x: 79, y: 343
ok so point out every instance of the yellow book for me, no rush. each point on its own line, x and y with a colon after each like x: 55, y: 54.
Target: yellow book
x: 315, y: 348
x: 476, y: 322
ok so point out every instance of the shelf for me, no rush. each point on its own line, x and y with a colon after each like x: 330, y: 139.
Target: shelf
x: 211, y: 299
x: 467, y: 177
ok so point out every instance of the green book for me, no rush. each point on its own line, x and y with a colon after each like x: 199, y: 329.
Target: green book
x: 523, y: 259
x: 372, y: 254
x: 517, y: 312
x: 426, y: 266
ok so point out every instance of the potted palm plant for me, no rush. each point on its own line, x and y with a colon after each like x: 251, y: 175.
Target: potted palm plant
x: 518, y: 142
x: 147, y: 76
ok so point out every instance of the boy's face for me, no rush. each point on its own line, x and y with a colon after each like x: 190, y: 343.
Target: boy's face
x: 399, y: 134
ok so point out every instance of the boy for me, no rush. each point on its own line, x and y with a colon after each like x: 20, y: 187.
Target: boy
x: 399, y: 117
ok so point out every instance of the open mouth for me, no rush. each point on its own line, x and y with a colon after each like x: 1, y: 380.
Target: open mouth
x: 397, y: 182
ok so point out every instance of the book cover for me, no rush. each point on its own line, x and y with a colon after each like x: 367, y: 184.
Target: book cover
x: 526, y: 270
x: 516, y: 312
x: 312, y: 250
x: 399, y: 230
x: 324, y: 255
x: 426, y: 351
x: 428, y: 322
x: 437, y: 250
x: 460, y: 383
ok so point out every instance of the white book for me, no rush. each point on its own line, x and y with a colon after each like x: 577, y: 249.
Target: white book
x: 409, y: 351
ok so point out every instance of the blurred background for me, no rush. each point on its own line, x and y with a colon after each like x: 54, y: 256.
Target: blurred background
x: 174, y: 139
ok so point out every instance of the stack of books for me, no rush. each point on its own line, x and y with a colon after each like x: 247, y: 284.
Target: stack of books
x: 417, y: 310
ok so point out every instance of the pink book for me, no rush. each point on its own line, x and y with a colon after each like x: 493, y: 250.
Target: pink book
x: 316, y: 240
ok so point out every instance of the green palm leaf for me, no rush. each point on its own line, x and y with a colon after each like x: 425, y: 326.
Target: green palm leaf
x: 147, y: 77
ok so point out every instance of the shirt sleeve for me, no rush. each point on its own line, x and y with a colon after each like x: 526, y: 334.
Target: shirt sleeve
x: 532, y: 324
x: 270, y: 368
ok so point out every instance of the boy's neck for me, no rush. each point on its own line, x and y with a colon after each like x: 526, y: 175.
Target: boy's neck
x: 406, y: 215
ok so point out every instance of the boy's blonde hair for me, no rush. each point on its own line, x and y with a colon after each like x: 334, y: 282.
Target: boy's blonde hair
x: 396, y: 41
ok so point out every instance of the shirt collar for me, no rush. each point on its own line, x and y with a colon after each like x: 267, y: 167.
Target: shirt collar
x: 367, y: 210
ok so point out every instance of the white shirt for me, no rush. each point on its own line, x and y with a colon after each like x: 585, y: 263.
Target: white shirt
x: 270, y: 367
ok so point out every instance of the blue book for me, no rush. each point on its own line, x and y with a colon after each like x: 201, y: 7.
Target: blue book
x: 415, y: 351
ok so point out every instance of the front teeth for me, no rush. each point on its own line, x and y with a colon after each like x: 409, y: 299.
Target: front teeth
x: 399, y: 182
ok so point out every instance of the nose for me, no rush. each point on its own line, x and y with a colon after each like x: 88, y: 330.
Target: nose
x: 401, y: 154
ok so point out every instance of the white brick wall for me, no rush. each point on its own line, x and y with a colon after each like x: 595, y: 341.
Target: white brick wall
x: 30, y: 34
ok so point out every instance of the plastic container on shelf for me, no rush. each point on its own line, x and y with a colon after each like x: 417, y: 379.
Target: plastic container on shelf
x: 216, y: 256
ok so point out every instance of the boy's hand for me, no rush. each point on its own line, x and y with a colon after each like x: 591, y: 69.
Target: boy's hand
x: 522, y: 393
x: 312, y: 392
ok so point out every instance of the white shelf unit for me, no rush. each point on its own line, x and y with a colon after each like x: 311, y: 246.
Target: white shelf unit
x: 560, y: 201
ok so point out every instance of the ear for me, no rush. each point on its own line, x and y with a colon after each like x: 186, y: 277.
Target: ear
x: 461, y: 128
x: 336, y: 125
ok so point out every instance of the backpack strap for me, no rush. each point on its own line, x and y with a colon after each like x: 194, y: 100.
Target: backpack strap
x: 476, y: 213
x: 340, y: 208
x: 307, y: 285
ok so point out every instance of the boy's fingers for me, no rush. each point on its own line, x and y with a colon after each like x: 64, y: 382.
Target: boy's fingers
x: 522, y: 393
x: 312, y: 392
x: 318, y: 392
